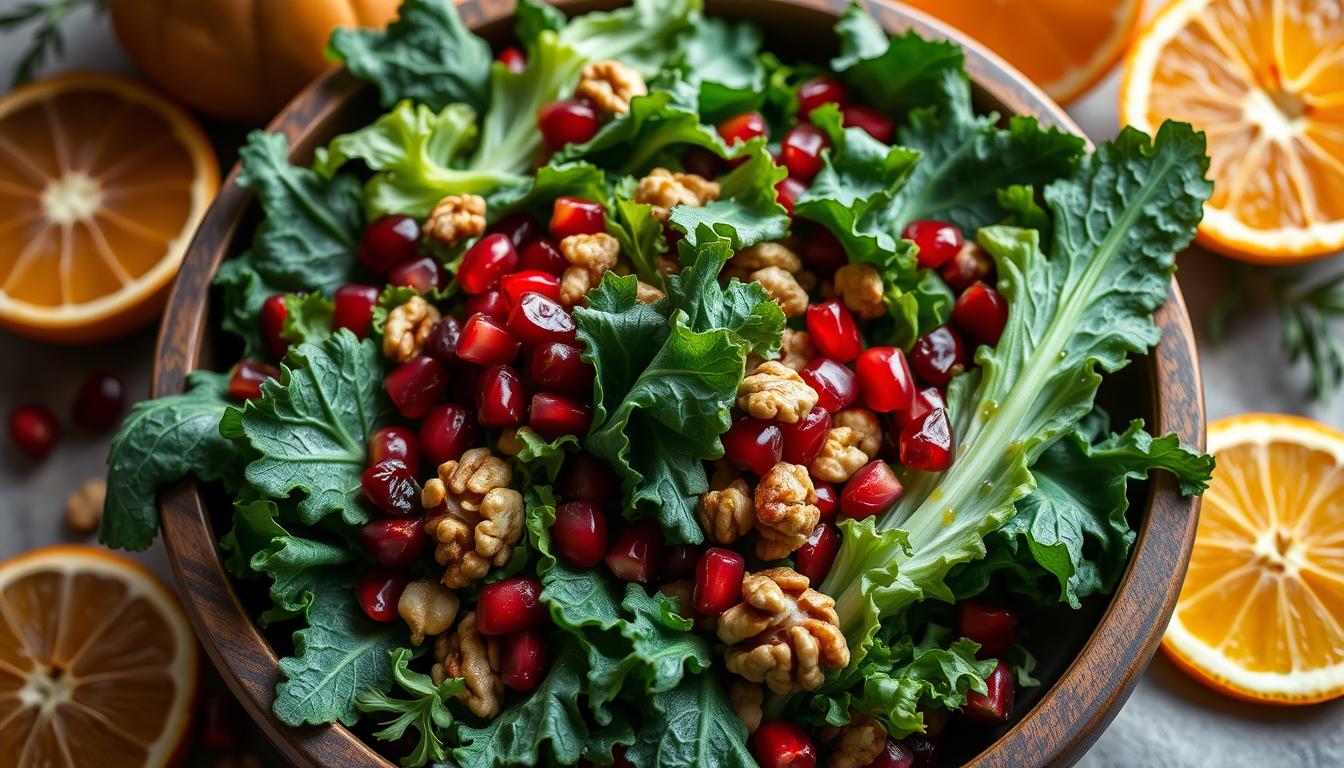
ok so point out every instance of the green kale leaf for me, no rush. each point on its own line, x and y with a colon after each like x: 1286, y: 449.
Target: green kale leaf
x: 308, y: 318
x: 242, y: 291
x: 426, y: 710
x: 747, y: 210
x: 689, y: 726
x: 722, y: 58
x: 896, y: 74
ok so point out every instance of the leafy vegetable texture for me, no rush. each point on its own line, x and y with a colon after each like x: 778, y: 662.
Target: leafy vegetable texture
x: 426, y: 711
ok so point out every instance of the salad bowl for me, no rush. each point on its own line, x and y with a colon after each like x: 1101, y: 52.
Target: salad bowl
x: 1093, y: 657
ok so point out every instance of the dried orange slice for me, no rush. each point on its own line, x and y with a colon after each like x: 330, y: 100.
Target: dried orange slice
x: 97, y: 662
x: 1265, y: 80
x: 1064, y: 46
x: 102, y: 184
x: 1261, y: 614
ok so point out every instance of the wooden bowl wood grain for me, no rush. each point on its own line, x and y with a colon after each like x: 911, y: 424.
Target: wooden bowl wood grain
x: 1103, y: 649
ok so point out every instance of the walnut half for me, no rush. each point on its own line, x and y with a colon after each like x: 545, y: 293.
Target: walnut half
x: 473, y: 515
x: 407, y: 328
x: 783, y: 633
x: 776, y: 391
x: 786, y: 510
x: 465, y: 653
x: 857, y: 744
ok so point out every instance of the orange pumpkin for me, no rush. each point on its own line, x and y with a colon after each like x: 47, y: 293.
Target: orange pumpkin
x: 237, y: 59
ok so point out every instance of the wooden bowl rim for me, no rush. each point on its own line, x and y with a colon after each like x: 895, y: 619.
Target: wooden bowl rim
x: 1063, y: 723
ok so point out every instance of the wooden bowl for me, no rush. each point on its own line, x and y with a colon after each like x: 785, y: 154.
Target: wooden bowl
x: 1095, y: 655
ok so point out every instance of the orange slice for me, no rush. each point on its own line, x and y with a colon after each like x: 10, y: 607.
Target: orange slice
x: 1265, y: 80
x: 1064, y: 46
x: 97, y: 662
x: 101, y: 185
x: 1261, y: 614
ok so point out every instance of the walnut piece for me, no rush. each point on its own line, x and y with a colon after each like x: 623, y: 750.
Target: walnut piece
x: 857, y: 744
x: 456, y: 218
x: 746, y: 699
x: 783, y: 288
x: 428, y: 608
x: 783, y: 633
x: 762, y: 255
x: 474, y: 475
x: 727, y: 514
x: 786, y: 510
x: 860, y: 287
x: 408, y: 328
x: 663, y: 189
x: 839, y: 457
x: 865, y: 426
x: 465, y: 653
x: 647, y: 294
x: 610, y: 85
x: 795, y: 349
x: 473, y: 515
x: 84, y: 507
x: 776, y: 391
x: 589, y: 256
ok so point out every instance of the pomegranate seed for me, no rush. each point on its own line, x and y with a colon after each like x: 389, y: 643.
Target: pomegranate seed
x: 938, y: 241
x: 520, y: 228
x: 394, y: 543
x: 815, y: 557
x: 872, y: 489
x: 587, y: 478
x: 378, y: 591
x: 491, y: 304
x: 833, y: 331
x: 523, y: 660
x: 894, y: 755
x: 489, y: 259
x: 575, y: 216
x: 273, y: 314
x: 742, y: 128
x: 246, y: 377
x: 835, y: 384
x: 391, y: 486
x: 510, y: 605
x: 485, y: 341
x: 567, y: 121
x: 827, y: 500
x: 874, y: 123
x: 994, y: 628
x: 701, y: 162
x: 558, y: 367
x: 822, y: 252
x: 938, y: 356
x: 99, y: 401
x: 513, y: 60
x: 537, y: 319
x: 778, y: 744
x: 803, y: 440
x: 995, y: 706
x: 33, y: 429
x: 442, y: 342
x: 718, y: 580
x: 395, y: 443
x: 553, y: 416
x: 753, y: 444
x: 354, y: 308
x: 500, y: 398
x: 926, y: 442
x: 423, y: 275
x: 926, y: 400
x: 885, y: 380
x: 981, y: 312
x: 821, y: 89
x: 923, y: 749
x: 416, y: 385
x: 801, y: 149
x: 634, y: 555
x: 220, y: 722
x: 446, y: 432
x: 679, y: 561
x: 580, y: 533
x: 389, y: 241
x: 787, y: 192
x: 969, y: 265
x: 522, y: 282
x: 542, y: 256
x: 465, y: 385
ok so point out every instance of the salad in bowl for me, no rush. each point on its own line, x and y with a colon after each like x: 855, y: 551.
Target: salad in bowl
x: 638, y: 395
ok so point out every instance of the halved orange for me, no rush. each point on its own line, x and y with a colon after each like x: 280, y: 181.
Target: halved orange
x: 1261, y: 614
x: 102, y: 183
x: 97, y: 662
x: 1064, y: 46
x: 1264, y: 79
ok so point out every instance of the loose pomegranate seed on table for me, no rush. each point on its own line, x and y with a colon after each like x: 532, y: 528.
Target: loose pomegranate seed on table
x: 422, y: 275
x: 815, y: 557
x: 98, y: 401
x: 576, y: 216
x: 753, y: 444
x: 874, y: 123
x: 969, y: 265
x: 885, y: 380
x: 395, y: 443
x: 246, y: 377
x: 33, y: 429
x: 585, y: 477
x: 510, y: 605
x: 523, y: 658
x: 981, y: 312
x: 442, y: 342
x: 828, y: 501
x: 995, y: 706
x: 416, y: 385
x: 822, y: 89
x: 554, y: 416
x: 580, y: 533
x: 994, y: 628
x: 446, y: 432
x: 354, y: 308
x: 378, y: 590
x: 485, y: 262
x: 485, y: 341
x: 387, y: 242
x: 938, y: 241
x: 679, y: 561
x: 801, y: 149
x: 537, y: 319
x: 871, y: 490
x: 836, y: 385
x: 834, y: 332
x: 938, y: 356
x: 558, y: 367
x: 395, y: 543
x: 895, y: 754
x: 787, y: 192
x: 718, y: 580
x: 742, y: 128
x: 804, y: 438
x: 500, y: 399
x: 636, y: 551
x: 273, y: 314
x: 927, y: 443
x: 780, y: 744
x: 491, y: 304
x: 515, y: 285
x: 542, y: 256
x: 513, y: 60
x: 392, y: 487
x: 567, y: 121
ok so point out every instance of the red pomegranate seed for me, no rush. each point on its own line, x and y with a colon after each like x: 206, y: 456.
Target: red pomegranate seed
x: 994, y: 628
x: 923, y: 749
x: 741, y: 128
x: 753, y: 444
x: 523, y: 660
x: 871, y: 490
x: 246, y: 377
x: 33, y: 429
x: 378, y: 591
x: 446, y: 432
x: 833, y: 330
x: 815, y: 557
x: 558, y: 367
x: 835, y: 384
x: 580, y: 533
x: 884, y: 379
x: 981, y: 312
x: 567, y: 121
x: 422, y: 275
x: 718, y: 580
x: 395, y: 543
x: 99, y: 401
x: 485, y: 341
x: 701, y: 162
x: 491, y: 304
x: 874, y: 123
x: 514, y: 286
x: 803, y: 440
x: 485, y: 262
x: 679, y: 561
x: 787, y: 192
x: 395, y: 443
x: 801, y: 149
x: 513, y: 60
x: 778, y: 744
x: 510, y: 605
x: 536, y: 319
x: 996, y: 706
x: 389, y: 241
x: 416, y: 385
x: 926, y: 400
x: 894, y: 755
x: 822, y: 252
x: 587, y: 478
x: 542, y: 256
x: 519, y: 227
x: 635, y: 553
x: 553, y: 416
x: 391, y: 486
x: 938, y: 356
x: 273, y: 314
x: 442, y: 342
x: 354, y: 308
x: 927, y: 443
x: 220, y: 722
x: 822, y: 89
x: 500, y: 397
x: 827, y: 500
x: 969, y: 265
x: 938, y: 241
x: 575, y: 216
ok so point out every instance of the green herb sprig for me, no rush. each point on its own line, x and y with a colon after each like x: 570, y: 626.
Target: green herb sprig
x: 46, y: 41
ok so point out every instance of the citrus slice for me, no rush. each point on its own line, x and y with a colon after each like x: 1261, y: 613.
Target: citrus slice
x: 1261, y: 614
x: 1265, y: 80
x: 1064, y: 46
x: 101, y: 185
x: 97, y: 662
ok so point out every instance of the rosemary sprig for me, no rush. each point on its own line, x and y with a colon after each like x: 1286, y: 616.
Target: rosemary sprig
x: 46, y: 41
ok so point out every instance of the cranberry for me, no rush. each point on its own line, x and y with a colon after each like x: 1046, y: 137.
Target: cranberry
x: 491, y: 304
x: 833, y: 330
x: 273, y: 314
x: 553, y: 416
x: 701, y: 162
x: 378, y: 591
x: 927, y: 443
x: 354, y: 308
x: 815, y: 557
x: 510, y: 605
x: 822, y: 89
x: 679, y: 561
x: 537, y: 319
x: 995, y: 706
x: 894, y: 755
x: 718, y: 580
x: 558, y: 367
x: 489, y: 259
x: 969, y: 265
x: 827, y: 500
x: 884, y: 378
x: 485, y: 341
x: 391, y: 486
x: 822, y: 251
x: 395, y: 543
x: 871, y: 490
x: 834, y: 383
x: 522, y: 660
x: 499, y: 398
x: 994, y: 628
x: 754, y: 444
x: 98, y: 402
x: 580, y: 533
x: 589, y: 479
x: 389, y: 241
x: 246, y: 377
x: 423, y: 275
x: 220, y: 722
x: 513, y: 60
x: 33, y: 429
x: 395, y: 443
x: 520, y: 228
x: 575, y: 216
x: 446, y: 432
x: 442, y: 342
x: 542, y: 256
x: 874, y: 123
x: 938, y: 241
x: 803, y: 440
x: 778, y: 744
x: 742, y: 128
x: 787, y: 192
x: 981, y: 312
x: 567, y: 121
x: 634, y: 555
x: 801, y: 149
x: 416, y: 385
x: 522, y: 282
x: 938, y: 356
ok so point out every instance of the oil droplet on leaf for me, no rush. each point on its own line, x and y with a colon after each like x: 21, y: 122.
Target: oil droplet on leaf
x: 949, y: 516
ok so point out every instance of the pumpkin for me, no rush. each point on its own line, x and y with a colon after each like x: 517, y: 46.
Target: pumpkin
x: 237, y: 59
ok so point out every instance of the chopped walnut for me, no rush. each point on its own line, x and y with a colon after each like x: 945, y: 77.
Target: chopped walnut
x: 408, y: 328
x: 473, y: 515
x: 786, y: 510
x: 783, y: 288
x: 839, y: 457
x: 610, y: 85
x: 648, y: 294
x: 662, y: 189
x: 857, y: 744
x: 795, y: 349
x: 84, y: 507
x: 776, y: 391
x: 501, y: 525
x: 865, y: 426
x: 428, y: 608
x: 860, y: 287
x: 456, y: 218
x: 574, y: 285
x: 762, y: 255
x: 783, y: 633
x: 471, y: 477
x: 465, y: 653
x: 728, y: 514
x: 746, y: 699
x: 589, y: 256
